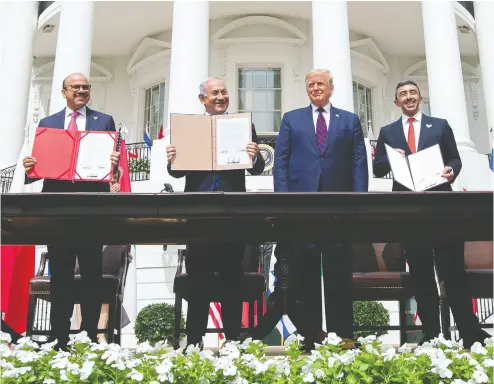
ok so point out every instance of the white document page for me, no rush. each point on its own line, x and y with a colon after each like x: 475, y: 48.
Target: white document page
x: 232, y: 137
x: 399, y: 166
x: 93, y: 162
x: 426, y: 167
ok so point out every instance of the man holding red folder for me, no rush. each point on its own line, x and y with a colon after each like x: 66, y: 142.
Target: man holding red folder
x: 76, y: 116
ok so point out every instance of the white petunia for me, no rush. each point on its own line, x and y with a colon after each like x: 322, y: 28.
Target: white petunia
x: 87, y: 369
x: 332, y: 339
x: 135, y: 375
x: 480, y: 377
x: 478, y: 348
x: 5, y: 337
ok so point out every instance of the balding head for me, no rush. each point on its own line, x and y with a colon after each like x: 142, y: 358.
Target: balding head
x: 76, y: 90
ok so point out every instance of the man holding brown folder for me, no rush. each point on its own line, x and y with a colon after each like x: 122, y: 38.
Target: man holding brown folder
x: 76, y: 116
x: 204, y: 260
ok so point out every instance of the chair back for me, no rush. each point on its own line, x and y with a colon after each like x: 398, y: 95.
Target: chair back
x: 112, y: 260
x: 378, y: 257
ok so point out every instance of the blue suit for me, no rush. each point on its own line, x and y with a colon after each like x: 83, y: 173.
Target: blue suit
x: 299, y: 166
x: 62, y: 257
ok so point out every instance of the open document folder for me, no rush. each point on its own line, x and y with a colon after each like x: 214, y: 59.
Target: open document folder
x: 419, y: 171
x: 207, y: 143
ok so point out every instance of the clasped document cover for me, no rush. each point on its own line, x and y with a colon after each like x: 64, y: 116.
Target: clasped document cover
x: 75, y: 156
x: 211, y: 143
x: 419, y: 171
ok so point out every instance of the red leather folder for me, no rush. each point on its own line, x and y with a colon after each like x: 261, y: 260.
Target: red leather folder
x: 57, y: 150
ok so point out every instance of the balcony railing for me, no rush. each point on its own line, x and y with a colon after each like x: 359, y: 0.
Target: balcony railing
x: 6, y: 177
x: 139, y: 156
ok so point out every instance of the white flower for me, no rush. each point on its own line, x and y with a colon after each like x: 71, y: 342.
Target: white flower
x: 87, y: 369
x: 135, y: 375
x: 48, y: 346
x: 489, y: 342
x: 308, y: 377
x: 488, y: 363
x: 458, y: 381
x: 144, y: 347
x: 319, y: 373
x: 207, y: 354
x: 405, y: 348
x: 293, y: 339
x: 480, y: 377
x: 26, y: 341
x: 5, y: 337
x: 192, y: 349
x: 332, y: 339
x: 331, y: 361
x: 367, y: 340
x: 49, y: 381
x: 230, y: 350
x: 81, y: 338
x: 478, y: 348
x: 389, y: 354
x: 283, y: 368
x: 5, y: 351
x: 132, y: 363
x: 26, y: 356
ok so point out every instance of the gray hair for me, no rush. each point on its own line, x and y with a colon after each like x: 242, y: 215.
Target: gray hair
x: 319, y: 72
x: 203, y: 85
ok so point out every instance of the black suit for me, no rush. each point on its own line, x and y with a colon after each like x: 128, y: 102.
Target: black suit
x: 449, y: 257
x: 63, y: 258
x: 202, y: 261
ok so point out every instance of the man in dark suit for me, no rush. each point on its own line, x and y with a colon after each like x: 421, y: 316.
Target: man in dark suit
x: 321, y: 148
x: 203, y: 260
x: 76, y: 116
x: 413, y: 132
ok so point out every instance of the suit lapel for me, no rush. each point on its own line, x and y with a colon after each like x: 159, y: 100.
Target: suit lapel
x: 91, y: 123
x: 308, y: 123
x: 60, y: 119
x: 425, y: 128
x: 334, y: 122
x: 400, y: 136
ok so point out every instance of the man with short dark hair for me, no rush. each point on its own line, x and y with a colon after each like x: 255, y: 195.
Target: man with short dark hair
x: 202, y: 261
x: 411, y: 133
x: 75, y: 116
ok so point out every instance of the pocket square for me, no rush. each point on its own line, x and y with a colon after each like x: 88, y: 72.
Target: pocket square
x: 337, y: 115
x: 428, y: 125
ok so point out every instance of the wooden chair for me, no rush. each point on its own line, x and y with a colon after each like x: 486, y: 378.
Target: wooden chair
x: 254, y: 286
x: 115, y: 262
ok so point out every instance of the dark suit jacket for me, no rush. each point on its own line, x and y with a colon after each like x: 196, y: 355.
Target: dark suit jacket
x: 300, y: 167
x: 432, y: 131
x: 95, y: 121
x: 228, y: 181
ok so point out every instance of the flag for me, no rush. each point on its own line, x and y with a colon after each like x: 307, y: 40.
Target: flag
x: 491, y: 158
x: 133, y: 154
x: 160, y: 134
x: 17, y: 270
x: 124, y: 167
x: 215, y: 313
x: 147, y: 140
x: 284, y: 326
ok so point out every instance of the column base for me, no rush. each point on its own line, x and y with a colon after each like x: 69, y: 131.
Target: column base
x: 475, y: 174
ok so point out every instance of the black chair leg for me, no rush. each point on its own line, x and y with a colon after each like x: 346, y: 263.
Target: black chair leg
x: 112, y: 311
x: 178, y: 318
x: 118, y: 323
x: 31, y: 310
x: 251, y: 326
x: 403, y: 322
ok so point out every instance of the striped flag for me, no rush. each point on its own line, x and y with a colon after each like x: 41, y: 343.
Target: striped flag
x: 216, y: 318
x: 284, y: 326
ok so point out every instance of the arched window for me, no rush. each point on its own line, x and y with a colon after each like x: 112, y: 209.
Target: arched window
x: 362, y: 103
x: 154, y: 107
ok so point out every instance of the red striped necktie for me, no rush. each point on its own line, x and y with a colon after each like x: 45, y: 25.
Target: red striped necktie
x: 321, y: 130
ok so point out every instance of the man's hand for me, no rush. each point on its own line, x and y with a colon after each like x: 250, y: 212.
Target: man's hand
x: 401, y: 151
x: 28, y: 163
x: 114, y: 157
x: 252, y: 150
x: 171, y: 153
x: 115, y: 187
x: 448, y: 173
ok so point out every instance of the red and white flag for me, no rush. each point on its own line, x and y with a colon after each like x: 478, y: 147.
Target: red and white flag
x: 217, y: 319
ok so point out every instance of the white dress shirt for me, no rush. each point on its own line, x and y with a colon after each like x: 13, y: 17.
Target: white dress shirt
x: 416, y: 127
x: 315, y: 114
x: 80, y: 120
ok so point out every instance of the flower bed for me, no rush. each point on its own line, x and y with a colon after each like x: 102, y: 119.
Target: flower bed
x: 441, y: 361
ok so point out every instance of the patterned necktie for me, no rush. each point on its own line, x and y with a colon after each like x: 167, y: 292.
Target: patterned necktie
x: 72, y: 125
x: 321, y: 130
x: 411, y: 135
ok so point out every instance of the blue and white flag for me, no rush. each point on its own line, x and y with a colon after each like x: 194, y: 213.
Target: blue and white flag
x: 147, y: 140
x: 284, y: 326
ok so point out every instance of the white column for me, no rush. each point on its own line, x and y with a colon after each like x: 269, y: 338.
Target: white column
x: 444, y: 74
x: 331, y: 48
x: 484, y: 17
x: 74, y: 46
x: 19, y: 21
x: 189, y: 62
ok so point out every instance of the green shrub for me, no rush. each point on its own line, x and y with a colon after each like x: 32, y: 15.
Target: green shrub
x: 156, y: 322
x: 139, y: 165
x: 368, y: 314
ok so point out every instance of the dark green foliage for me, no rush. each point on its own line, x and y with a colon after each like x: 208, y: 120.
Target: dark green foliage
x: 156, y: 323
x: 369, y: 313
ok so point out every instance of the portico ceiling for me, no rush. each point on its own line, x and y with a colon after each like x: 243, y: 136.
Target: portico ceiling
x: 395, y: 26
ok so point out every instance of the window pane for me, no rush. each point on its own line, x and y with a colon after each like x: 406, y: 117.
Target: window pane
x: 273, y: 100
x: 260, y: 101
x: 259, y: 80
x: 361, y: 94
x: 154, y: 115
x: 155, y: 95
x: 245, y: 78
x: 274, y: 78
x: 162, y: 93
x: 245, y: 100
x: 355, y: 98
x: 260, y: 121
x: 147, y: 103
x: 274, y: 121
x: 368, y: 98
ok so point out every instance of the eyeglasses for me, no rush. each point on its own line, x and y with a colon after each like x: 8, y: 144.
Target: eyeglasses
x: 77, y: 87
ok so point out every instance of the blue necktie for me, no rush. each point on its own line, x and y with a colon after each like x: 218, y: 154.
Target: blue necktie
x: 216, y: 183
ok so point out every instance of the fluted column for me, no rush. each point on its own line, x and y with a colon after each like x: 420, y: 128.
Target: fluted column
x: 189, y: 61
x: 17, y: 32
x: 74, y: 47
x: 484, y: 24
x: 331, y: 48
x: 444, y: 74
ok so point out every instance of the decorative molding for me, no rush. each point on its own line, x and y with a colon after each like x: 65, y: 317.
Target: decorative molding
x: 469, y: 71
x: 136, y: 62
x: 36, y: 101
x: 381, y: 63
x: 223, y: 56
x: 223, y: 35
x: 473, y: 86
x: 106, y: 78
x: 297, y: 64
